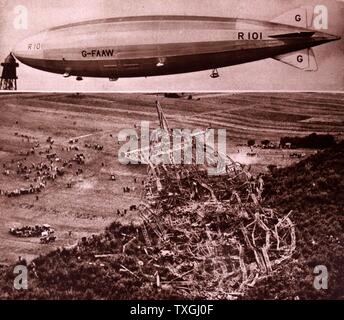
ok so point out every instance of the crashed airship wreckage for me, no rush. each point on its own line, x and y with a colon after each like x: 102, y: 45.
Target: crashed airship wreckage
x: 145, y: 46
x: 207, y: 236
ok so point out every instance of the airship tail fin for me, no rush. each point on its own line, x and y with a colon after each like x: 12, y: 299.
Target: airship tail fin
x: 304, y: 60
x: 301, y: 17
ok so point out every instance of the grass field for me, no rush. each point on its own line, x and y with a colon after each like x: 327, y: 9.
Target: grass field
x: 93, y: 199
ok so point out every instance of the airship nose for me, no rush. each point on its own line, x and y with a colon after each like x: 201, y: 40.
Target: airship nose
x: 30, y: 48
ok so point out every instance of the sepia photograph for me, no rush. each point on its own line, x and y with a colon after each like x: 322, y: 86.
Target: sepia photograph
x: 168, y: 46
x: 174, y: 196
x: 167, y: 156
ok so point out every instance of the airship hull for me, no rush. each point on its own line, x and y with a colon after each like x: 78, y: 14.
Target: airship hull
x: 159, y: 45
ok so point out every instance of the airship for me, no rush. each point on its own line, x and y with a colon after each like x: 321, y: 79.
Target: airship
x: 145, y: 46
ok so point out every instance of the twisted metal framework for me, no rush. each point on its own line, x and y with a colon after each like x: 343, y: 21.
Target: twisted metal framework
x: 210, y: 234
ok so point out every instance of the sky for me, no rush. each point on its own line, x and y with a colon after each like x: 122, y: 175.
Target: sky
x: 266, y: 75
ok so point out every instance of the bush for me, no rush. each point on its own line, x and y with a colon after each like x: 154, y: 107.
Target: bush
x: 313, y: 141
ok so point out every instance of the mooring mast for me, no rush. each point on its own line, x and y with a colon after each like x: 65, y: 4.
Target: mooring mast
x: 9, y: 74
